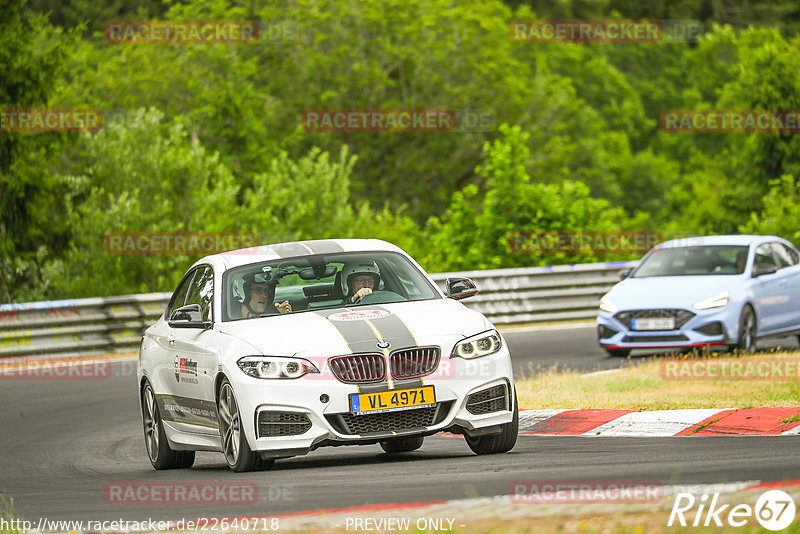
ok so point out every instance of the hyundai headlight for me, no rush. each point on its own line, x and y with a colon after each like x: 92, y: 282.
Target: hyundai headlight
x: 717, y: 301
x: 275, y: 367
x: 607, y: 306
x: 477, y: 346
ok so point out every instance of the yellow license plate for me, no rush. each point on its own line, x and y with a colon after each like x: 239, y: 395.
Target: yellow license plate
x: 392, y: 401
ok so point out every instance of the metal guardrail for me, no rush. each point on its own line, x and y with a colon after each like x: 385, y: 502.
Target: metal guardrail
x: 102, y: 325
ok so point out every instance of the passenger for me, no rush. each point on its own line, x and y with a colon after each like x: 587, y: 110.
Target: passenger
x: 257, y: 296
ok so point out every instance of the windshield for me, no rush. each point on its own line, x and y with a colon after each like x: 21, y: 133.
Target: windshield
x: 321, y: 282
x: 693, y: 261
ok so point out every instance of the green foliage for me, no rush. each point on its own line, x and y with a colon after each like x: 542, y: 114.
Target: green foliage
x: 781, y: 213
x: 143, y: 174
x: 32, y: 57
x: 304, y: 199
x: 476, y: 230
x: 209, y: 137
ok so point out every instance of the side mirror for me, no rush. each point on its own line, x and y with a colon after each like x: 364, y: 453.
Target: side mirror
x: 460, y: 288
x: 189, y: 316
x: 761, y: 270
x: 625, y: 273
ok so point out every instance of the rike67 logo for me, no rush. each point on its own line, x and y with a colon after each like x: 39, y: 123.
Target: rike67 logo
x: 774, y: 510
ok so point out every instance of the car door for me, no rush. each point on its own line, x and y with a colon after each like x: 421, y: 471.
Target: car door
x: 789, y: 285
x: 768, y: 291
x: 162, y: 352
x: 193, y: 356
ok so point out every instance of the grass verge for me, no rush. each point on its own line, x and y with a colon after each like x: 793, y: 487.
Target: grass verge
x: 643, y: 386
x: 6, y: 515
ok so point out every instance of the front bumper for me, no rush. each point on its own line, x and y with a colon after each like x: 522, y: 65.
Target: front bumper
x: 715, y: 327
x: 330, y: 423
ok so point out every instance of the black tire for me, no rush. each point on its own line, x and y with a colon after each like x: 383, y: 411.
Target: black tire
x: 618, y: 353
x: 155, y: 439
x: 393, y: 446
x: 238, y: 454
x: 748, y: 331
x: 501, y: 442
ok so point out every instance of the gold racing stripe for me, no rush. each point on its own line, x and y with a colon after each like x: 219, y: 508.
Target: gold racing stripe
x: 378, y: 335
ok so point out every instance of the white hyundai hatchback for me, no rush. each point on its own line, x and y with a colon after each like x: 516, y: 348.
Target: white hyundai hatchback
x: 274, y: 351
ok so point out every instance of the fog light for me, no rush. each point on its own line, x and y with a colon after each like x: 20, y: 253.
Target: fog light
x: 711, y: 329
x: 604, y: 332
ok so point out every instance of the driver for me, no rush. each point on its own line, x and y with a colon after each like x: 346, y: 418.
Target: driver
x: 359, y: 279
x: 257, y: 296
x: 741, y: 260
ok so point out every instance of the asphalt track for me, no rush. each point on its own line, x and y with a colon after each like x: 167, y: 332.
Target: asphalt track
x: 63, y: 442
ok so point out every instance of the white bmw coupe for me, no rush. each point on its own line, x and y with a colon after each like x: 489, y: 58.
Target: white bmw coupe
x: 274, y: 351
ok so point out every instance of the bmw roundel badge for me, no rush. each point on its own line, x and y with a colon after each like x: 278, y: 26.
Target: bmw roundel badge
x: 384, y: 345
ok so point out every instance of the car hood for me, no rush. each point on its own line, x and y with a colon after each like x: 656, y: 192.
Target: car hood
x: 337, y: 331
x: 668, y: 291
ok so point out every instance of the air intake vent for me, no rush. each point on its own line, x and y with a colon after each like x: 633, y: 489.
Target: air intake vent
x: 416, y: 419
x: 273, y: 424
x: 414, y: 363
x: 494, y: 399
x: 680, y: 316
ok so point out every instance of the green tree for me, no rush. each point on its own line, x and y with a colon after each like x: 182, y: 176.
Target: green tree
x: 143, y: 174
x: 32, y: 227
x: 476, y: 232
x: 781, y: 213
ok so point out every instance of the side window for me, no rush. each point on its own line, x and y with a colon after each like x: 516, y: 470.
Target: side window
x: 201, y: 291
x: 764, y: 255
x: 179, y: 297
x: 786, y: 256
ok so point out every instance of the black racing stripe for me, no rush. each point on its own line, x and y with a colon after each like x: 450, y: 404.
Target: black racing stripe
x: 359, y: 336
x: 288, y: 250
x: 383, y: 386
x: 408, y: 384
x: 187, y: 410
x: 377, y: 387
x: 323, y: 246
x: 361, y: 339
x: 394, y: 330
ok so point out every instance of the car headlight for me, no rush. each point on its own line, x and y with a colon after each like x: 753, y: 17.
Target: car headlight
x: 480, y: 345
x: 717, y: 301
x: 275, y: 367
x: 607, y: 306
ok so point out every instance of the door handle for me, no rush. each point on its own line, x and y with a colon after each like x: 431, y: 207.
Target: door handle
x: 171, y: 338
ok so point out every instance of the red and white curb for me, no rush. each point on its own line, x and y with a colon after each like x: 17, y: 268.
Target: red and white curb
x: 698, y: 422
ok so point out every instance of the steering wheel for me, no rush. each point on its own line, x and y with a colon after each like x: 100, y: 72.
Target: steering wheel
x: 381, y: 297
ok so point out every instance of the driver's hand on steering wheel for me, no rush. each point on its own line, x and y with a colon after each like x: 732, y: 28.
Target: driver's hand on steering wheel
x: 360, y: 294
